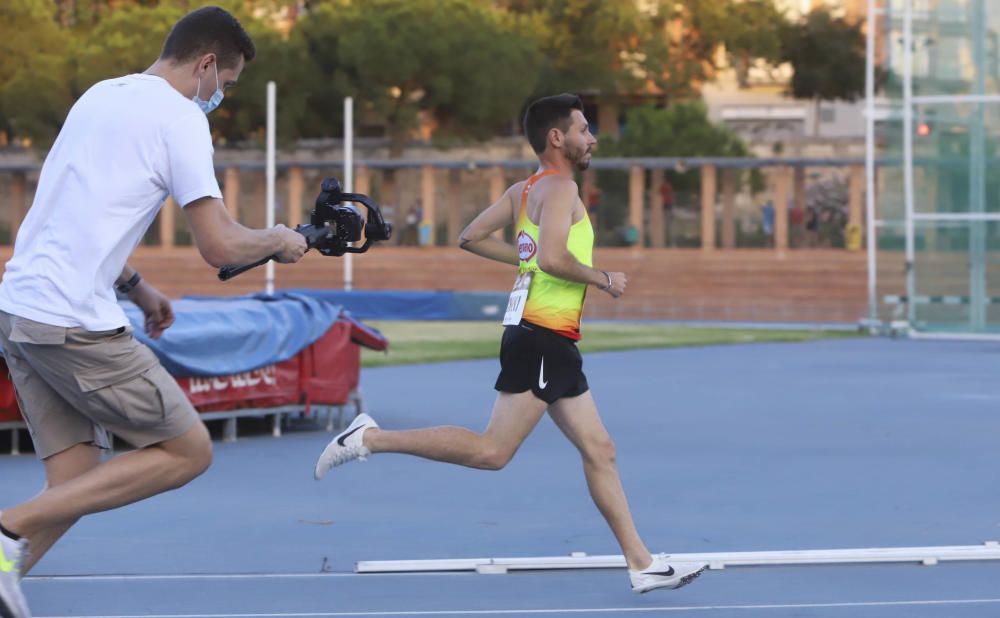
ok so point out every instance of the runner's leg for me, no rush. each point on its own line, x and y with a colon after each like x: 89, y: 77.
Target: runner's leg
x: 514, y: 417
x: 579, y: 420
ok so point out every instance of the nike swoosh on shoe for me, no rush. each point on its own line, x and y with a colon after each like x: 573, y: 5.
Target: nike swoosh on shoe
x: 344, y: 437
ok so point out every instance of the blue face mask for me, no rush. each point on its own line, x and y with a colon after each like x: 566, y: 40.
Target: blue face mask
x: 212, y: 103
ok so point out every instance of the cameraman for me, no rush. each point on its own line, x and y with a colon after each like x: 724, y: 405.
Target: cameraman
x: 126, y: 145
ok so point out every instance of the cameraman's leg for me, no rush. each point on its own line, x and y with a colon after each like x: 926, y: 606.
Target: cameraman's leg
x: 94, y: 381
x: 61, y: 468
x: 117, y: 482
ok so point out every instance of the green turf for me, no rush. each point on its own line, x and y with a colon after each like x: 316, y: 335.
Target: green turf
x: 431, y: 342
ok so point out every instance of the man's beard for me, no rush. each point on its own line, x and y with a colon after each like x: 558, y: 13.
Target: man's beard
x: 580, y: 160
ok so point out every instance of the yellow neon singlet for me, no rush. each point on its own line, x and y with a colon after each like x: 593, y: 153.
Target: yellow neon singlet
x: 553, y: 303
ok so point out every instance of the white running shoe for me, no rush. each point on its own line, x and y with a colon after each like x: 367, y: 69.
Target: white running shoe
x: 347, y: 446
x: 12, y: 601
x: 663, y: 574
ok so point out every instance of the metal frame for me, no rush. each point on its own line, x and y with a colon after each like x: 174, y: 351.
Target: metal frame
x: 14, y: 427
x: 348, y: 180
x: 928, y: 556
x: 270, y: 175
x: 871, y: 234
x: 908, y: 197
x: 976, y: 217
x: 229, y: 431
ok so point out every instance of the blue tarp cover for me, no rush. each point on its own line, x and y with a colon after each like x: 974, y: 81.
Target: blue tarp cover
x: 223, y: 336
x: 415, y: 305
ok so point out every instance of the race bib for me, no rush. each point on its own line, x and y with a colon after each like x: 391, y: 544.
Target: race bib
x: 518, y: 297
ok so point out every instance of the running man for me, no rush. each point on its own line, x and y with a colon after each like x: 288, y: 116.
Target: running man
x: 126, y: 144
x: 540, y: 366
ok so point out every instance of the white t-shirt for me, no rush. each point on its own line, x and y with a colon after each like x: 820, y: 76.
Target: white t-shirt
x: 126, y: 144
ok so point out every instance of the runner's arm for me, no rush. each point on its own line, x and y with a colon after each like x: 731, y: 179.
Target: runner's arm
x: 554, y: 257
x: 478, y: 236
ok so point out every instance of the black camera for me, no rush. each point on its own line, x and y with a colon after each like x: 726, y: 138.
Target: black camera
x: 334, y: 224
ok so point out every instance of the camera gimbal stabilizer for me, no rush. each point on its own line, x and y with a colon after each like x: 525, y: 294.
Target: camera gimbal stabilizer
x: 332, y: 226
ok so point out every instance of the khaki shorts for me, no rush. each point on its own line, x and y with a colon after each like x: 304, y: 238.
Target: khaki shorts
x: 74, y: 386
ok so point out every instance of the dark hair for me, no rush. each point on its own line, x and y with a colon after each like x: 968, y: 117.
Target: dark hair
x: 549, y: 113
x: 207, y: 30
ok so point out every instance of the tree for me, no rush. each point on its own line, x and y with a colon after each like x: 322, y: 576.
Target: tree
x: 129, y: 39
x: 454, y: 63
x: 124, y: 41
x: 828, y: 57
x: 679, y: 130
x: 750, y: 30
x: 85, y: 14
x: 594, y: 45
x: 243, y: 116
x: 314, y: 47
x: 34, y: 95
x: 667, y: 47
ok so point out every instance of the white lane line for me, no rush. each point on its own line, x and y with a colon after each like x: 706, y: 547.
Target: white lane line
x: 125, y: 577
x: 595, y: 610
x: 187, y: 576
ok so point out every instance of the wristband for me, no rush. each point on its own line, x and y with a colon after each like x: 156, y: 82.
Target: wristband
x: 608, y: 286
x: 129, y: 285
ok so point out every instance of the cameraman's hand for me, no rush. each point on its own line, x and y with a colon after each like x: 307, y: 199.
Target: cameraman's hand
x: 618, y: 283
x: 293, y: 245
x: 155, y: 306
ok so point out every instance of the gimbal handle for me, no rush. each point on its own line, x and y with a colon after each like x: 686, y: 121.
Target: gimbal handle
x: 318, y: 232
x: 313, y: 236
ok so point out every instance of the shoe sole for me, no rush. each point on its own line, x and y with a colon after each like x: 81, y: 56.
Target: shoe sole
x: 322, y: 467
x: 8, y: 606
x: 687, y: 579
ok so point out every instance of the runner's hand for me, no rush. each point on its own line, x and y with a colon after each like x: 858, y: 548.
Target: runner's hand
x: 155, y: 306
x: 618, y: 283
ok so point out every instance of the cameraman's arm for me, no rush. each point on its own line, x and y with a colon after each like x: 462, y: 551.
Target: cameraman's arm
x: 478, y: 239
x: 224, y: 242
x: 154, y: 304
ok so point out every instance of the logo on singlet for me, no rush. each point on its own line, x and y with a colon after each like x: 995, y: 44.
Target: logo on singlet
x: 526, y: 246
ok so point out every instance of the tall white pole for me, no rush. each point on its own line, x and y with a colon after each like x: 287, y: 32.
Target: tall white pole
x: 271, y: 104
x: 871, y: 235
x: 978, y: 293
x: 911, y: 284
x: 348, y: 180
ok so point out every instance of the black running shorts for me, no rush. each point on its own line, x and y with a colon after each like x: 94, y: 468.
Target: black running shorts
x: 542, y: 361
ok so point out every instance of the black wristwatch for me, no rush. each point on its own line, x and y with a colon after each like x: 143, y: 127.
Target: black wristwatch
x: 129, y: 285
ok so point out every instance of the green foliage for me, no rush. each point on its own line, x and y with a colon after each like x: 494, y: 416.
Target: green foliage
x: 594, y: 45
x: 242, y: 116
x: 430, y: 342
x: 127, y: 40
x: 828, y: 56
x: 34, y: 96
x: 678, y: 130
x: 750, y: 30
x: 314, y: 48
x: 457, y: 62
x: 465, y: 68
